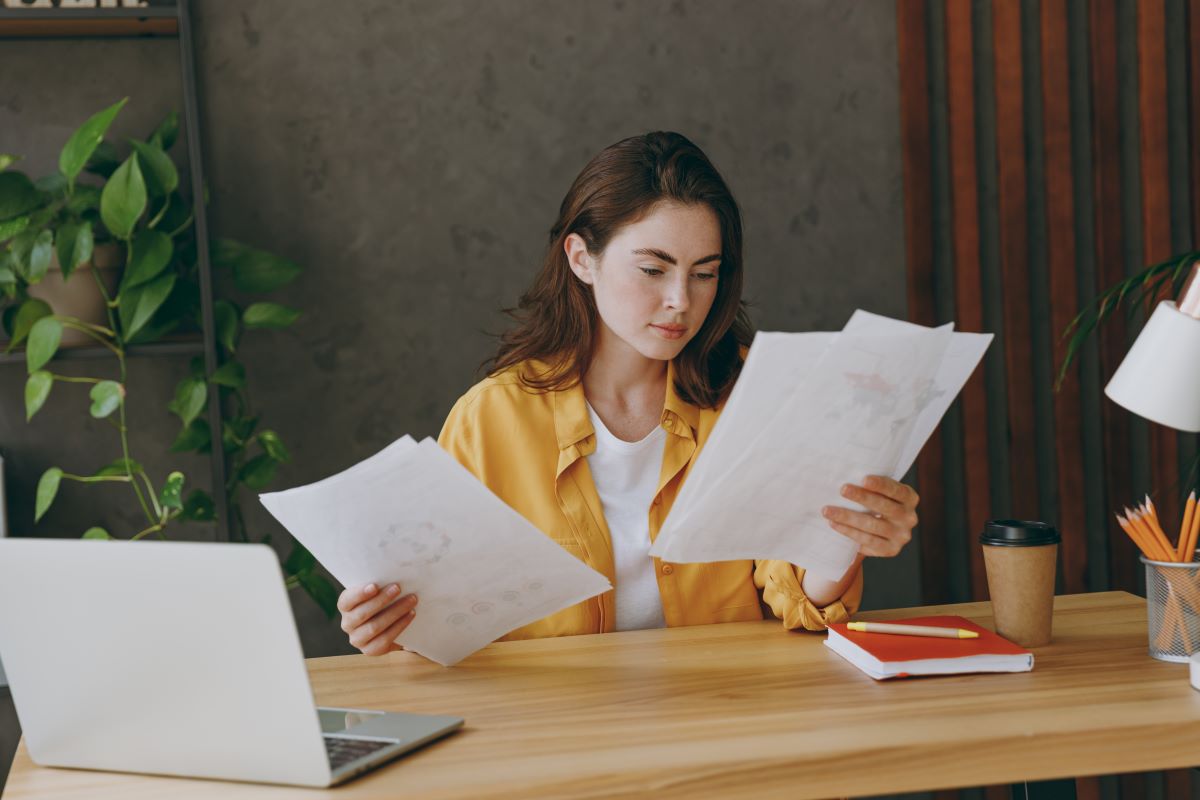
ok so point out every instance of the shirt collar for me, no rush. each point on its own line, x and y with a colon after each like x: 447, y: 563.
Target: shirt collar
x: 572, y: 424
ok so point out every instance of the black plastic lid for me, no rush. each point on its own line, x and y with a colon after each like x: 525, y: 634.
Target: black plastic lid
x: 1018, y: 533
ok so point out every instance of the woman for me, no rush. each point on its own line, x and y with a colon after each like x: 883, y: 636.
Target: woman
x: 601, y: 398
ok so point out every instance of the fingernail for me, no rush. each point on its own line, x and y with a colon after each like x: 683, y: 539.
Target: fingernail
x: 370, y: 588
x: 827, y: 511
x: 393, y: 590
x: 846, y: 490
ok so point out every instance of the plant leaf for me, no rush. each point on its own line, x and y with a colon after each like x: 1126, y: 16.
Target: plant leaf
x: 148, y: 257
x: 226, y: 317
x: 7, y: 160
x: 10, y: 228
x: 44, y: 339
x: 18, y: 195
x: 157, y: 167
x: 190, y: 397
x: 86, y: 198
x: 122, y: 466
x: 106, y: 398
x: 177, y: 215
x: 96, y: 533
x: 27, y: 314
x: 254, y: 270
x: 299, y: 560
x: 167, y: 131
x: 171, y: 495
x: 123, y: 199
x: 231, y: 374
x: 196, y: 435
x: 258, y: 471
x: 199, y: 507
x: 318, y: 587
x: 85, y: 140
x: 137, y: 305
x: 37, y: 389
x: 104, y: 161
x: 273, y: 445
x: 39, y: 256
x: 47, y: 488
x: 269, y: 315
x: 74, y: 245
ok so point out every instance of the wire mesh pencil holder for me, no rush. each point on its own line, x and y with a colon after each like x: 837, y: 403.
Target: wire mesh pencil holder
x: 1173, y: 609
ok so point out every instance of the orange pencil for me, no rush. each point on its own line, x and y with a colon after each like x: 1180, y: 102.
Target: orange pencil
x: 1189, y: 550
x: 1136, y: 536
x: 1140, y: 525
x: 1185, y: 530
x: 1150, y: 517
x: 1151, y: 521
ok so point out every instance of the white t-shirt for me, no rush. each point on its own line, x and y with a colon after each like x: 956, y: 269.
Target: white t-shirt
x: 626, y: 478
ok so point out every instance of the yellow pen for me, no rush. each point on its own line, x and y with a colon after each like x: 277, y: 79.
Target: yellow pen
x: 912, y: 630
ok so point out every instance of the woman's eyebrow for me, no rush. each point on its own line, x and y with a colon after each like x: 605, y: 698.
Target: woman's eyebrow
x: 662, y: 255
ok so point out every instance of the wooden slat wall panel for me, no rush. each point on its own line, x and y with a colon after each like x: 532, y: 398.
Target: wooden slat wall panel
x: 1064, y: 290
x: 1156, y: 218
x: 1060, y: 246
x: 913, y: 49
x: 1014, y: 257
x: 968, y: 292
x: 1093, y: 200
x: 1193, y: 12
x: 1110, y: 269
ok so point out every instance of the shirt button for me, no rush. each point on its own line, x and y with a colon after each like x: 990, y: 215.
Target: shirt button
x: 667, y: 569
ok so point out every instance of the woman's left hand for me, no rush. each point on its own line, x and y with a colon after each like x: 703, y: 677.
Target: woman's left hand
x: 888, y: 524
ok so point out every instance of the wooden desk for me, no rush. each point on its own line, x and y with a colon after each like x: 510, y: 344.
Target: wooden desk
x: 741, y: 708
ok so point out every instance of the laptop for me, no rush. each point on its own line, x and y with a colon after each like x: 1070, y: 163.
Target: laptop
x: 176, y: 658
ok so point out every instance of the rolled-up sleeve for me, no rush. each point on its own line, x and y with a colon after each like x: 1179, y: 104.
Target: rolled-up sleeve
x: 782, y: 590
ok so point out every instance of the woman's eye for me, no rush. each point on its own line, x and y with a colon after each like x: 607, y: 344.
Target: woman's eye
x: 706, y: 276
x: 651, y: 270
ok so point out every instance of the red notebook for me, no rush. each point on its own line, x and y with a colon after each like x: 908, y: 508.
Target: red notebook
x: 887, y: 655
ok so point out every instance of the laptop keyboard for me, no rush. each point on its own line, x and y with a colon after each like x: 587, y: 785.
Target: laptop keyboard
x: 342, y: 751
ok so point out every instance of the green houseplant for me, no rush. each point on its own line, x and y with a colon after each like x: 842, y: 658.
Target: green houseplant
x: 134, y: 201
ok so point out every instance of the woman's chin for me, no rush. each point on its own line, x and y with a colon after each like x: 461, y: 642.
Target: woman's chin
x: 662, y: 350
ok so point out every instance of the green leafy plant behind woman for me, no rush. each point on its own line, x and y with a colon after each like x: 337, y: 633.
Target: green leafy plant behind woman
x: 137, y: 205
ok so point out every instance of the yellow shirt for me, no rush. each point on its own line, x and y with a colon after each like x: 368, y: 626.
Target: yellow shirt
x: 530, y: 449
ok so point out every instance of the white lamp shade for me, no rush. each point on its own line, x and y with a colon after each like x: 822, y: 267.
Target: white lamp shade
x: 1160, y: 376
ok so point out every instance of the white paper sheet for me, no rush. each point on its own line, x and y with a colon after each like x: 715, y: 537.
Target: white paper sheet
x: 809, y: 413
x: 411, y: 514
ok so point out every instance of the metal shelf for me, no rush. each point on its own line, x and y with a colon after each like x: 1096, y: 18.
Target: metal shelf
x: 162, y: 18
x: 42, y: 23
x: 184, y: 347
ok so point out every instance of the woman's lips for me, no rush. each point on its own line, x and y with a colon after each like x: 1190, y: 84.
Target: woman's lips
x: 670, y: 331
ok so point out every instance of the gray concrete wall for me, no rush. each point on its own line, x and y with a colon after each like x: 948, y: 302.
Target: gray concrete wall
x: 412, y: 157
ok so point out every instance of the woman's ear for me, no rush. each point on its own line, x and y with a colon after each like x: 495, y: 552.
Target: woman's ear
x: 578, y: 257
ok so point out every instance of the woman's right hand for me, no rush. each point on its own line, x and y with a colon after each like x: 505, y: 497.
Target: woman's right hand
x: 373, y: 618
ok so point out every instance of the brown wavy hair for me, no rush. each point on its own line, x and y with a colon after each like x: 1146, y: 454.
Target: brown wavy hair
x: 557, y: 318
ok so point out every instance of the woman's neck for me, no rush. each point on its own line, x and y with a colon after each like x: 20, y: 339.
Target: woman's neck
x: 626, y: 389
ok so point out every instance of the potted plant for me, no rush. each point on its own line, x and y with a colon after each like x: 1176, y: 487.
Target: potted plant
x: 132, y: 205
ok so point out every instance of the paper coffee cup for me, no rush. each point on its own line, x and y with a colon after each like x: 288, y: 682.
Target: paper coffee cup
x: 1020, y: 558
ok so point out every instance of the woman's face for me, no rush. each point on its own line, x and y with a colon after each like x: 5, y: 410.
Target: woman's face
x: 656, y: 280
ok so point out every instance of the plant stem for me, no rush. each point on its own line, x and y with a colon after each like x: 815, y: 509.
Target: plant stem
x: 102, y: 340
x: 96, y: 478
x: 125, y: 442
x: 155, y: 528
x: 104, y: 292
x: 71, y: 379
x: 150, y: 491
x: 81, y: 325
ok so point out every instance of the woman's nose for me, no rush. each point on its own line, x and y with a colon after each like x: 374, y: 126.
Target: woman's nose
x: 677, y: 295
